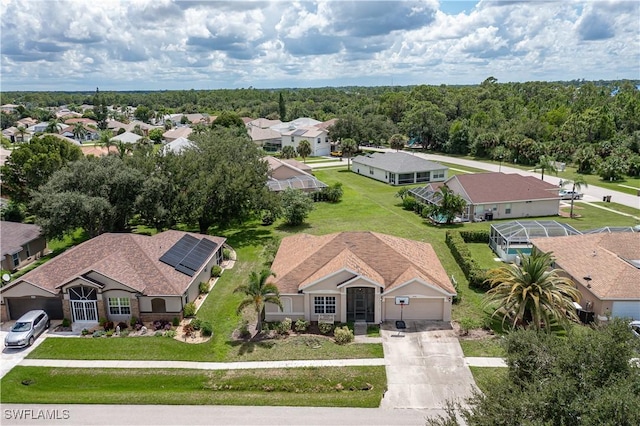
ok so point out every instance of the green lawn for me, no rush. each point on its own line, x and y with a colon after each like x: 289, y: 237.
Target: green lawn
x: 489, y: 346
x: 320, y: 387
x: 483, y: 254
x: 487, y: 377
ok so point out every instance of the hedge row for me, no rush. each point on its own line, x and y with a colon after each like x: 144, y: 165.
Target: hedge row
x: 458, y: 246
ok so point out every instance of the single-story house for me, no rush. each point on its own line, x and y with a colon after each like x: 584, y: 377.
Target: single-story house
x: 398, y: 168
x: 117, y: 276
x: 359, y: 276
x: 127, y: 137
x: 21, y: 244
x: 496, y: 195
x: 177, y: 146
x: 290, y: 173
x: 605, y: 268
x: 178, y: 132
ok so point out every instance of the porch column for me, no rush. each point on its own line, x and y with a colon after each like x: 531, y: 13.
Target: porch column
x: 66, y: 307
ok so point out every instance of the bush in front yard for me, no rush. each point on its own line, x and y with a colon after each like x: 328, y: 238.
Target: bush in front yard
x: 216, y: 271
x: 343, y: 335
x: 301, y: 325
x: 207, y: 328
x: 189, y: 309
x: 203, y: 287
x: 285, y: 326
x: 325, y: 327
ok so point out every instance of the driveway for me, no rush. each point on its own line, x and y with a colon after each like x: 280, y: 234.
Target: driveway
x: 11, y: 357
x: 425, y: 367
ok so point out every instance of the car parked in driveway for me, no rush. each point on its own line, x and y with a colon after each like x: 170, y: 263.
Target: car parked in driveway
x: 27, y: 329
x: 570, y: 195
x: 635, y: 328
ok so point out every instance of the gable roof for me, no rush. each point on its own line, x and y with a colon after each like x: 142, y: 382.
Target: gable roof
x: 303, y: 259
x: 496, y: 187
x: 398, y: 162
x: 607, y: 258
x: 127, y: 137
x: 131, y: 259
x: 177, y: 146
x: 15, y: 235
x: 178, y: 132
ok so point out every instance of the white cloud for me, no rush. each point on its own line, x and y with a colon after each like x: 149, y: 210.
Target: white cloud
x: 163, y: 44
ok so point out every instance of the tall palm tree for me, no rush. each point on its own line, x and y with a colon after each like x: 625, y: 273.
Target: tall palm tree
x: 349, y: 147
x: 576, y: 185
x: 546, y: 163
x: 52, y: 126
x: 533, y: 294
x: 79, y: 132
x: 304, y: 149
x: 105, y: 140
x: 21, y: 130
x: 258, y: 292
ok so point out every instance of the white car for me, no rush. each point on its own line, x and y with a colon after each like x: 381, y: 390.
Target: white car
x: 25, y: 331
x: 635, y: 328
x: 570, y: 195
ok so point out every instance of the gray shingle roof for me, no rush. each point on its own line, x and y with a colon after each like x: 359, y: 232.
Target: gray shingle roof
x: 15, y: 235
x: 398, y: 162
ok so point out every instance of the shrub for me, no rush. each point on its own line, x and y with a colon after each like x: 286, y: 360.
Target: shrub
x: 408, y: 203
x: 159, y: 333
x: 203, y: 287
x: 124, y: 333
x: 226, y: 254
x: 216, y: 271
x: 268, y: 218
x: 102, y: 322
x: 123, y: 325
x: 109, y: 333
x: 108, y: 326
x: 66, y: 323
x: 301, y: 325
x: 85, y: 331
x: 196, y: 323
x: 98, y: 333
x: 162, y: 325
x: 207, y: 328
x: 343, y: 335
x: 189, y: 309
x: 176, y: 321
x: 325, y: 327
x: 170, y: 333
x: 133, y: 322
x: 475, y: 275
x: 285, y: 326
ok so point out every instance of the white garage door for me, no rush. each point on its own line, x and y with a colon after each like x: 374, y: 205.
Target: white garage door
x: 626, y: 310
x: 322, y: 151
x: 417, y: 309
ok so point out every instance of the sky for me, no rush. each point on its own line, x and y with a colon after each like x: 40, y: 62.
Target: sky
x: 77, y: 45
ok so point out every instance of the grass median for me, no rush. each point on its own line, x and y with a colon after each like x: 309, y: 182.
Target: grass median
x: 318, y: 387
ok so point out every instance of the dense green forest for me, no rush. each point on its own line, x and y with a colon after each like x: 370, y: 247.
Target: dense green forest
x: 594, y: 125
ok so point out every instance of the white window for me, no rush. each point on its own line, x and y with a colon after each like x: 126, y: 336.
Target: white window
x: 119, y: 306
x: 507, y: 208
x: 324, y: 304
x: 319, y: 140
x: 16, y: 259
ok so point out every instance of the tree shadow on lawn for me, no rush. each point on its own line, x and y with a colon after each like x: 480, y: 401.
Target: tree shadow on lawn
x: 293, y: 229
x: 246, y: 235
x: 249, y: 346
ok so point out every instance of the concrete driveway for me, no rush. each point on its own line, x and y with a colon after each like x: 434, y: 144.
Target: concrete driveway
x: 11, y: 357
x: 425, y: 367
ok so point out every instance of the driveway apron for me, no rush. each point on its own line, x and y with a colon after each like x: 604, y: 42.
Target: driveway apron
x: 425, y: 367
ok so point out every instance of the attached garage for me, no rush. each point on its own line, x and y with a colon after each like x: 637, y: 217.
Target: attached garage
x: 626, y: 309
x: 18, y: 306
x: 417, y: 309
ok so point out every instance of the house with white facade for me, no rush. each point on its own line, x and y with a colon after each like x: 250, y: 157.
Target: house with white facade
x: 398, y: 168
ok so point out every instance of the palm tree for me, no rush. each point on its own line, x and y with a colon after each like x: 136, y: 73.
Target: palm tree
x: 450, y: 206
x: 546, y: 163
x: 105, y: 139
x: 79, y: 132
x: 288, y: 151
x: 52, y: 126
x: 349, y: 147
x: 576, y: 185
x: 397, y: 141
x: 21, y: 130
x: 532, y: 295
x: 304, y: 149
x: 258, y: 292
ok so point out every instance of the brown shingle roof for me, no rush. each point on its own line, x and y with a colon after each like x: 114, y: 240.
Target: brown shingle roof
x: 603, y: 257
x: 14, y: 235
x: 303, y: 259
x: 130, y: 259
x: 494, y: 187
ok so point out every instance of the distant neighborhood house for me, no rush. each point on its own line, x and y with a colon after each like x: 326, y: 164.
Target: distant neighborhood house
x: 290, y: 173
x: 399, y: 168
x: 21, y: 244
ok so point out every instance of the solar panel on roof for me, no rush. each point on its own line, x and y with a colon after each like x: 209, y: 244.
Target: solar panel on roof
x: 179, y: 250
x: 198, y: 255
x: 185, y: 270
x: 299, y: 132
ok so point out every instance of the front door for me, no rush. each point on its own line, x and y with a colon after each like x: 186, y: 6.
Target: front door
x: 84, y: 310
x: 361, y: 304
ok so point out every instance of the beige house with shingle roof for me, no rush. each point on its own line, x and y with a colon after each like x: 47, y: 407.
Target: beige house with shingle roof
x: 605, y: 268
x: 117, y: 276
x: 20, y: 244
x: 359, y: 276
